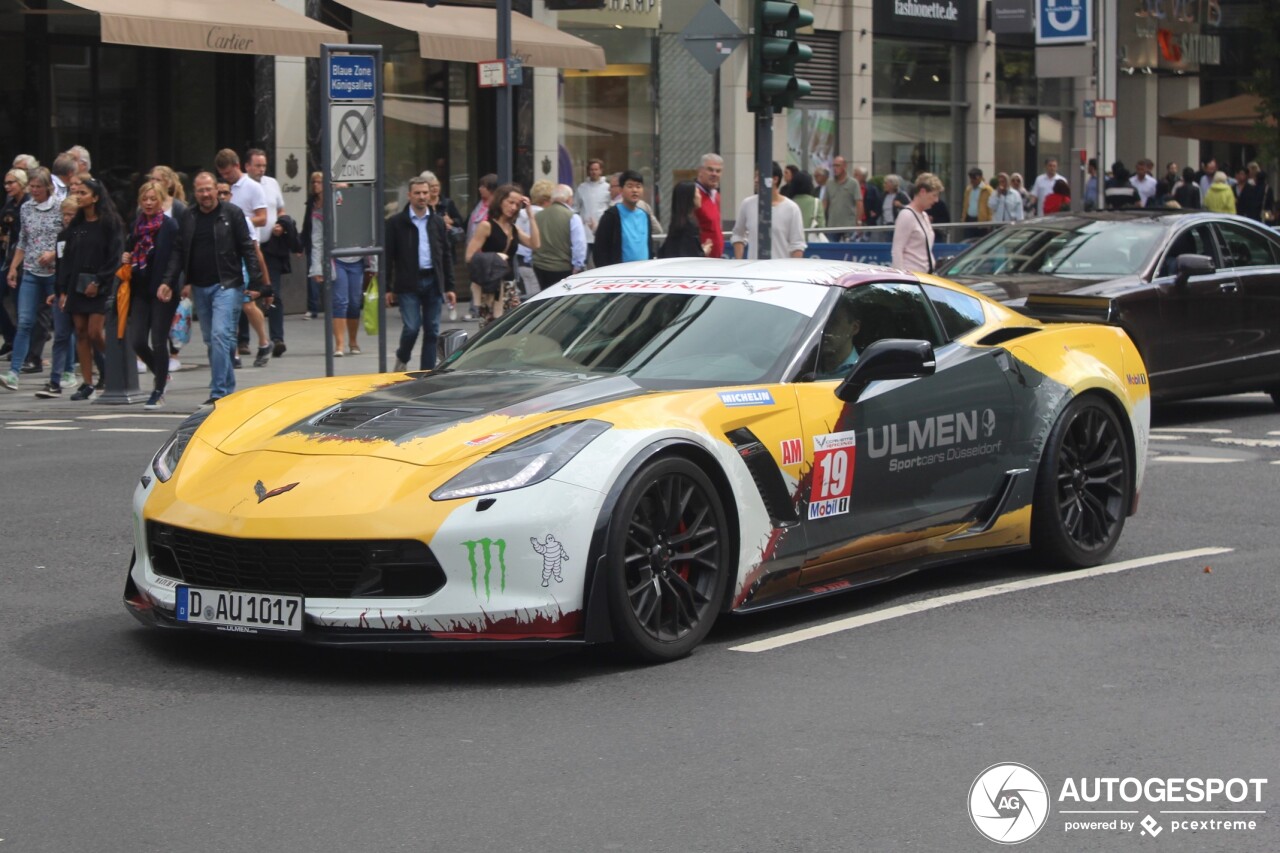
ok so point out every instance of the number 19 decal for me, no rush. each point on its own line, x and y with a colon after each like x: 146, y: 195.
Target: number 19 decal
x: 833, y: 458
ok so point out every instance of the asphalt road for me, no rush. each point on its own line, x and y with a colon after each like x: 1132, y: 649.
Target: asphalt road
x: 116, y: 738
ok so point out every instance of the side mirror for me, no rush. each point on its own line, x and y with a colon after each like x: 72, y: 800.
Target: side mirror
x: 1189, y: 265
x: 891, y: 358
x: 449, y: 342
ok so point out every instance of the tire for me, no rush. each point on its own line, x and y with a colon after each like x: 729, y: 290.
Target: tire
x: 668, y: 560
x: 1082, y: 492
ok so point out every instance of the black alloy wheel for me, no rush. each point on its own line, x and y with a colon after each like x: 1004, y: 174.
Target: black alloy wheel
x: 1083, y: 488
x: 668, y: 560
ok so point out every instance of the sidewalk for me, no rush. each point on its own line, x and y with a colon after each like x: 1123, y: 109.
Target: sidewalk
x: 189, y: 387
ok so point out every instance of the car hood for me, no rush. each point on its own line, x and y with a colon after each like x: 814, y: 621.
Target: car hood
x: 431, y: 419
x: 1006, y: 288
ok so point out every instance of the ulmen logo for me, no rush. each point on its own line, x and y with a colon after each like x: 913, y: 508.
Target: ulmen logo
x: 1008, y: 803
x: 486, y: 548
x: 926, y: 434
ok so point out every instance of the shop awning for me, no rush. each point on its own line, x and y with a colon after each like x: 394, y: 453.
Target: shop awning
x: 260, y: 27
x: 468, y: 34
x: 1232, y: 120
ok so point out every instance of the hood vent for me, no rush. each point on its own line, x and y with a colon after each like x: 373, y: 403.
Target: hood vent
x: 391, y: 422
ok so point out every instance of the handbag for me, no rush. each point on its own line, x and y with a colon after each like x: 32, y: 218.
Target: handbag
x: 369, y: 312
x: 819, y: 237
x: 83, y: 280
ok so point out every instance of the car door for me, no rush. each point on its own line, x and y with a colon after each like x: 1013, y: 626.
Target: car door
x: 1253, y: 257
x: 1201, y: 317
x: 911, y: 458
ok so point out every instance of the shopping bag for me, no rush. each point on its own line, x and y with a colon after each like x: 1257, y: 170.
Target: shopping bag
x: 180, y: 330
x: 369, y: 313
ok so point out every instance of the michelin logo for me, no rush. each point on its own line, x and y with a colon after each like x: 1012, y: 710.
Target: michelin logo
x: 752, y: 397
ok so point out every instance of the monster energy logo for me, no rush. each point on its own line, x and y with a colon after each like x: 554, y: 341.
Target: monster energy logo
x: 487, y: 546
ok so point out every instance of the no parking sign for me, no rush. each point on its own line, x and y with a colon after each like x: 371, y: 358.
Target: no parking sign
x: 1064, y: 21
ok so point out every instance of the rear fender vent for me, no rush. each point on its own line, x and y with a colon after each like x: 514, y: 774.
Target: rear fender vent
x: 1000, y: 336
x: 767, y: 476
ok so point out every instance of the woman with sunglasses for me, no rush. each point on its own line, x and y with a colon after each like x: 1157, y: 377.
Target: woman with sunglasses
x: 88, y: 258
x: 151, y: 304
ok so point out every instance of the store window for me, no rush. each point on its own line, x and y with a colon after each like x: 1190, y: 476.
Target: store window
x: 917, y: 119
x: 609, y: 114
x: 1033, y: 114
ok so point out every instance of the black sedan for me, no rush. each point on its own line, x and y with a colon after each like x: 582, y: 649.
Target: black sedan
x: 1198, y: 292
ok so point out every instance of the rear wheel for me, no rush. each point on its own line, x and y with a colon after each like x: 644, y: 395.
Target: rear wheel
x: 1082, y: 492
x: 668, y: 560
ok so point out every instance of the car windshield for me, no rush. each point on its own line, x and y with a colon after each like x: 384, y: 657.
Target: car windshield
x: 1093, y: 249
x: 674, y: 337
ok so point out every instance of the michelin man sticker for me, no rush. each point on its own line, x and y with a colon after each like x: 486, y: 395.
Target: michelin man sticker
x: 553, y: 558
x: 833, y: 458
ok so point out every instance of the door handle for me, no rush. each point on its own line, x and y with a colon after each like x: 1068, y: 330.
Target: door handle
x: 1228, y: 287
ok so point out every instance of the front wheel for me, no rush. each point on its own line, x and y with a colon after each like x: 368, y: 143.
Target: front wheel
x: 669, y: 558
x: 1082, y: 492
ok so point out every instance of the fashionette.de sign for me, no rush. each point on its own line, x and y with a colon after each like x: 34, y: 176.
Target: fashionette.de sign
x: 953, y: 20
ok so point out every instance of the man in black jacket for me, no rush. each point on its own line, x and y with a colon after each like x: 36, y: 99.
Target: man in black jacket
x: 623, y: 232
x: 213, y: 242
x: 420, y: 273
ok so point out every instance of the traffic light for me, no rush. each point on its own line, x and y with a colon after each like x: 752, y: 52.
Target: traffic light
x: 773, y: 83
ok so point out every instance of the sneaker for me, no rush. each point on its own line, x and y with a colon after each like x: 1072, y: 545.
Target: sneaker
x: 174, y: 365
x: 49, y: 390
x: 33, y: 367
x: 337, y: 353
x: 355, y: 349
x: 309, y: 316
x: 263, y: 357
x: 155, y: 401
x: 279, y: 349
x: 236, y: 363
x: 243, y: 348
x: 68, y: 379
x: 400, y: 366
x: 85, y: 392
x: 10, y: 381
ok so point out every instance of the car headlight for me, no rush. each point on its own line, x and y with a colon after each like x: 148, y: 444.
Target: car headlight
x: 522, y: 463
x: 166, y: 460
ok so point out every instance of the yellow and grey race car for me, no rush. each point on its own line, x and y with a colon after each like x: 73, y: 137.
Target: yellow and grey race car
x: 639, y: 449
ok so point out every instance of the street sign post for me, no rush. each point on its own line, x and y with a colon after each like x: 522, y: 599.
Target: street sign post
x: 351, y: 144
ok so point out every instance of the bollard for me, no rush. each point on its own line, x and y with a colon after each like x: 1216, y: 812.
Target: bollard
x: 120, y: 371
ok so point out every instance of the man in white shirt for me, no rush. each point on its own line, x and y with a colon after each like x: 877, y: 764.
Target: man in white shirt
x: 1210, y: 169
x: 256, y: 168
x: 62, y: 171
x: 1144, y: 183
x: 246, y: 193
x: 786, y: 228
x: 1044, y: 184
x: 592, y: 200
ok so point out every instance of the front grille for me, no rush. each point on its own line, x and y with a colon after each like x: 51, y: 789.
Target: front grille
x: 340, y: 568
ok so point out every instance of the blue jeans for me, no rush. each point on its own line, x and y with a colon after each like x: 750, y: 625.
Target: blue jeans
x: 348, y: 290
x: 33, y: 290
x: 218, y: 308
x: 64, y: 345
x: 420, y: 311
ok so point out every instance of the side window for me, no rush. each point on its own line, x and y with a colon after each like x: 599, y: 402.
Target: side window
x: 1197, y: 240
x: 960, y: 312
x: 867, y: 313
x: 1245, y: 248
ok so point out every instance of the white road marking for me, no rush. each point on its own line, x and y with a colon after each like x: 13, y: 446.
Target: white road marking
x: 1195, y: 460
x: 885, y: 615
x: 45, y: 428
x: 1154, y: 437
x: 1201, y: 430
x: 132, y: 429
x: 45, y: 422
x: 1250, y: 442
x: 129, y: 415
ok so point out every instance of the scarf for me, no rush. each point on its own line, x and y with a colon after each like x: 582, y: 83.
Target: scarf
x: 145, y: 230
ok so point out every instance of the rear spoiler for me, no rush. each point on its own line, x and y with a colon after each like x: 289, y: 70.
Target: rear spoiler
x: 1065, y: 308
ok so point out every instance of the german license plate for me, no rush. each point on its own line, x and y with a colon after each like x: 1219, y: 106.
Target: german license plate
x: 258, y: 611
